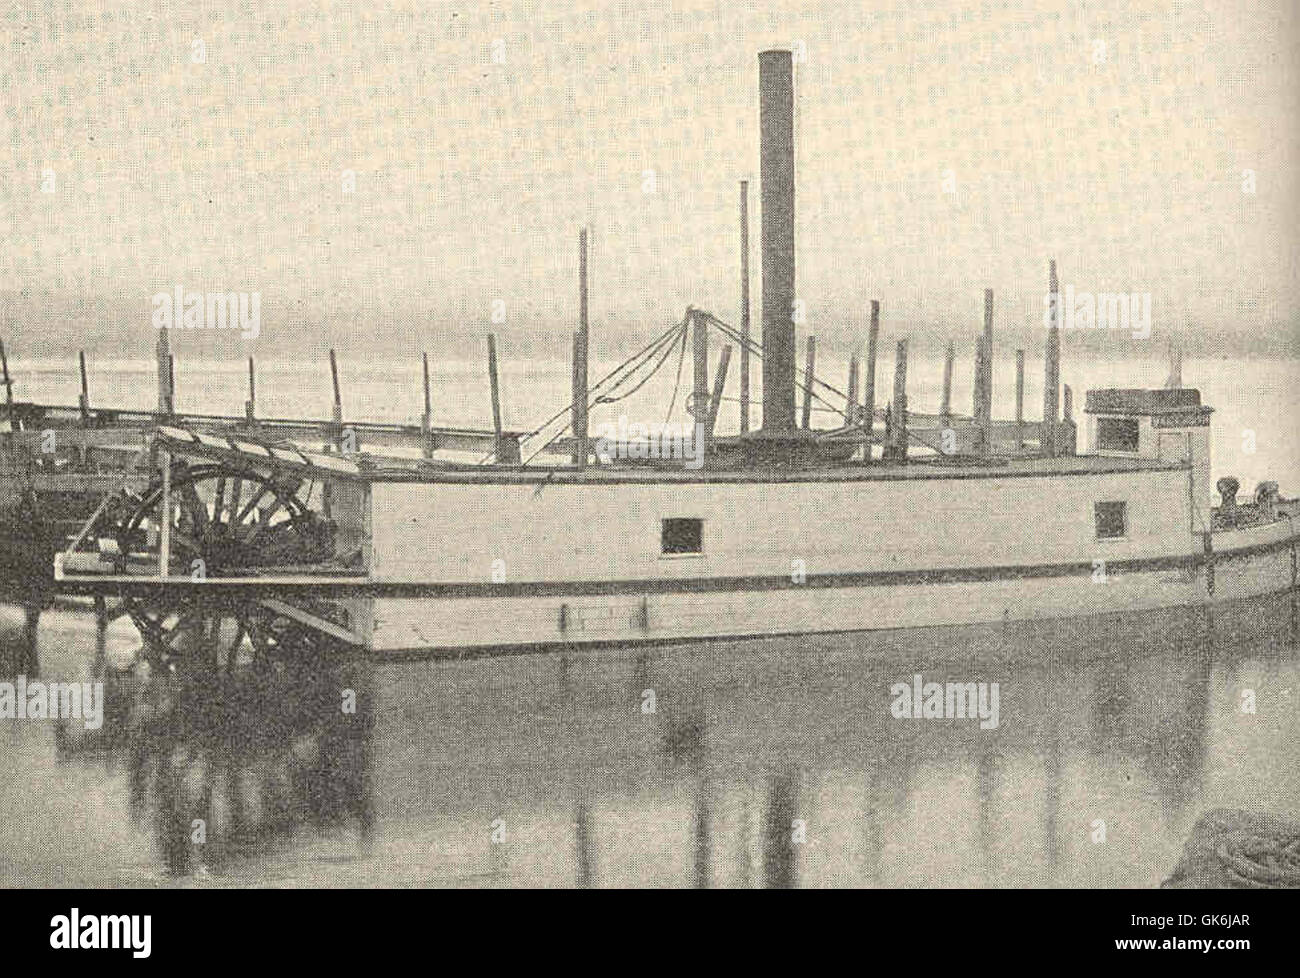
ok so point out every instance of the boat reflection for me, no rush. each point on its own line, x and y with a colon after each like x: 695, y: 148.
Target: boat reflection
x: 227, y: 765
x: 775, y: 764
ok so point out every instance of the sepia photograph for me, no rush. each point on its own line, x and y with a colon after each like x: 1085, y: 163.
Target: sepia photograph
x: 818, y: 444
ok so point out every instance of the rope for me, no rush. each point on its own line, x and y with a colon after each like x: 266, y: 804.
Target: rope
x: 1241, y: 849
x: 628, y: 366
x: 678, y: 382
x: 757, y: 350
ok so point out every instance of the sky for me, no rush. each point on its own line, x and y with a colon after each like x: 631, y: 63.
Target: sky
x: 388, y: 176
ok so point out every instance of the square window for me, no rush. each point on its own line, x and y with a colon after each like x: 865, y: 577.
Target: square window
x: 1117, y: 434
x: 1112, y: 520
x: 682, y: 536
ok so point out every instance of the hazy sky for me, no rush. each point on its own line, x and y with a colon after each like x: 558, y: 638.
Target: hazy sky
x: 1112, y: 136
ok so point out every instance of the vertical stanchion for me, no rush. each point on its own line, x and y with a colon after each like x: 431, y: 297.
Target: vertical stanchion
x: 869, y: 382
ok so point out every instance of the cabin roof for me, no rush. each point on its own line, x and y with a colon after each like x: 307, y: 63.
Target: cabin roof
x: 1151, y: 402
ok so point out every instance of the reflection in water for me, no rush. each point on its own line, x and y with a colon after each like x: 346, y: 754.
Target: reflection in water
x: 986, y: 761
x: 778, y: 832
x: 230, y: 763
x: 709, y: 780
x: 1052, y: 797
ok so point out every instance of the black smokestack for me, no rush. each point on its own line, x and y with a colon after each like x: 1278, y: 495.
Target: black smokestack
x: 776, y: 145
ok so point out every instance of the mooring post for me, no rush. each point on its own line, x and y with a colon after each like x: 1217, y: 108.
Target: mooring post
x: 744, y: 306
x: 84, y: 401
x: 869, y: 382
x: 250, y: 405
x: 426, y: 419
x: 715, y: 402
x: 945, y: 405
x: 495, y: 383
x: 1020, y: 399
x: 810, y: 363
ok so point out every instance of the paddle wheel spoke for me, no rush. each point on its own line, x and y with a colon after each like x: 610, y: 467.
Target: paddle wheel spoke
x: 236, y: 522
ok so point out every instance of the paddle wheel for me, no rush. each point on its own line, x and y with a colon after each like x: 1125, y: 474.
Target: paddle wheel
x: 200, y: 558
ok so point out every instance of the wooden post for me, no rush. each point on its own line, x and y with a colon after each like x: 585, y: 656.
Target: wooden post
x: 84, y: 401
x: 162, y: 353
x: 1067, y: 406
x: 977, y: 394
x: 850, y: 408
x: 744, y: 306
x: 1020, y: 398
x: 1175, y: 379
x: 9, y: 392
x: 101, y: 634
x: 986, y: 386
x: 250, y: 405
x: 945, y: 406
x: 338, y: 404
x: 495, y: 383
x: 869, y: 382
x: 700, y: 385
x: 165, y: 515
x: 810, y: 363
x: 426, y: 419
x: 171, y: 384
x: 338, y: 397
x: 32, y: 641
x: 715, y: 402
x: 580, y: 347
x: 900, y: 402
x: 1052, y: 367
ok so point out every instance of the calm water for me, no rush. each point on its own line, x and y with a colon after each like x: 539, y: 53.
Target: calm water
x: 1136, y: 723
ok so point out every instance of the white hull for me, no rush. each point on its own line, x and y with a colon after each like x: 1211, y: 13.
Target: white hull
x: 1263, y: 563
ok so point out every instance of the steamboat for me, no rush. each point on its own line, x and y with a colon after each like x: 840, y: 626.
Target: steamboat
x: 233, y: 537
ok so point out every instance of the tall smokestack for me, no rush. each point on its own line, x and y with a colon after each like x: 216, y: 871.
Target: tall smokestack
x: 776, y: 142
